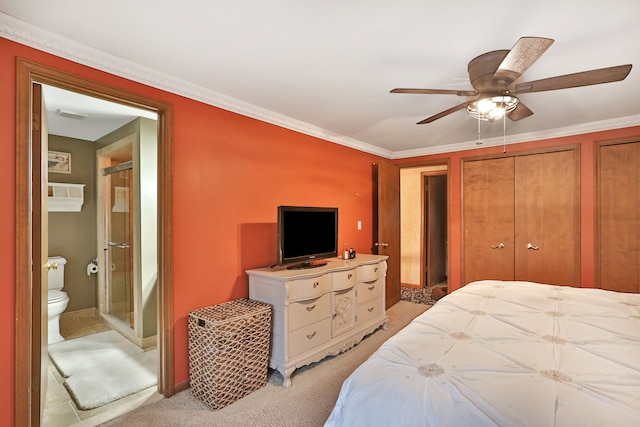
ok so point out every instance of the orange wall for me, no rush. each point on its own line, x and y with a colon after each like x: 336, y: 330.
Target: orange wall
x: 587, y: 192
x: 230, y: 174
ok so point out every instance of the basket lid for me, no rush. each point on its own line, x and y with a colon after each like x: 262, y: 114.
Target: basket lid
x: 230, y: 310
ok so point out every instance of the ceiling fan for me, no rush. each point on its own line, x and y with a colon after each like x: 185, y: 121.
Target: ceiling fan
x: 494, y: 77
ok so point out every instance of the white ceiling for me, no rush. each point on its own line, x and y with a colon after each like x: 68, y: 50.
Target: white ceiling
x: 326, y: 67
x: 94, y: 117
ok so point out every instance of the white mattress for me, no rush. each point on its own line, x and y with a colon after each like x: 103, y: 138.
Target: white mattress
x: 505, y: 354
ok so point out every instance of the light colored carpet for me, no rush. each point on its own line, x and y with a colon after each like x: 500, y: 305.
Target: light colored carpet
x: 307, y: 402
x: 79, y: 354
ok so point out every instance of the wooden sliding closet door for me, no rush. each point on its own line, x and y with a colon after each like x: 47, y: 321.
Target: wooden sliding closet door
x: 488, y: 220
x: 547, y: 244
x: 618, y: 219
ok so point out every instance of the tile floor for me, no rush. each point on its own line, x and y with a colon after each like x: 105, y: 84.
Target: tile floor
x: 60, y: 410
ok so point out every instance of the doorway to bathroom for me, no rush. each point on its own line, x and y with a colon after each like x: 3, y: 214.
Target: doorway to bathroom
x: 31, y: 160
x: 104, y: 311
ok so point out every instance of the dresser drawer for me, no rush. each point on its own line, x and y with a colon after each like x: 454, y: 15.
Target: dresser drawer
x: 303, y: 289
x: 303, y: 313
x: 370, y: 290
x: 370, y: 310
x: 370, y: 272
x: 309, y: 337
x: 343, y: 279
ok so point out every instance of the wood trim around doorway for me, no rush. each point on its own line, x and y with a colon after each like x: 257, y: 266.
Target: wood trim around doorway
x: 28, y: 72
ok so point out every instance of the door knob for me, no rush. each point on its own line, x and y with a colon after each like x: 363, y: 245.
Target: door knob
x: 533, y: 247
x: 53, y: 266
x: 384, y: 245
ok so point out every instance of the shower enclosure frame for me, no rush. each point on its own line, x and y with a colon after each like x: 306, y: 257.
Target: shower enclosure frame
x: 119, y: 253
x: 107, y: 157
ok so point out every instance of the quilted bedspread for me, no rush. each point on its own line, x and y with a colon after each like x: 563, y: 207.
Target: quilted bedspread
x: 497, y: 353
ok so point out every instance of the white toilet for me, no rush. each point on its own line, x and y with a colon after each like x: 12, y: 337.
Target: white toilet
x: 57, y: 298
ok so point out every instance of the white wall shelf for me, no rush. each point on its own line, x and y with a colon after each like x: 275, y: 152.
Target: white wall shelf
x: 65, y: 197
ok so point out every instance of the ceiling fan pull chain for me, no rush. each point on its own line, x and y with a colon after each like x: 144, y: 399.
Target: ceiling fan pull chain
x: 504, y: 134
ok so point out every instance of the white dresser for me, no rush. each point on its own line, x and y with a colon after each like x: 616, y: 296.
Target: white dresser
x: 320, y: 311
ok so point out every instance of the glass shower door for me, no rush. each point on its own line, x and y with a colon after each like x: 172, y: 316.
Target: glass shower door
x: 119, y: 215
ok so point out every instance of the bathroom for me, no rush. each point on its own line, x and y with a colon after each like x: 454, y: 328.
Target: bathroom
x: 122, y: 297
x: 77, y: 236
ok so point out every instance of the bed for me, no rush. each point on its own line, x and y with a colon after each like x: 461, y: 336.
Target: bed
x: 496, y: 353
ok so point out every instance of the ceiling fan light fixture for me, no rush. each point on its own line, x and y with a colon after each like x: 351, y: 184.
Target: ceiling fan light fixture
x: 493, y: 107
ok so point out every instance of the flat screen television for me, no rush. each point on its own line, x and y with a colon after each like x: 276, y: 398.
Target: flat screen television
x: 306, y: 234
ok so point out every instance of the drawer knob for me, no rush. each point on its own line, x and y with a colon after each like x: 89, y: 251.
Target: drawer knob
x: 309, y: 336
x: 370, y: 309
x: 311, y: 308
x: 375, y: 269
x: 372, y: 287
x: 316, y: 284
x: 349, y: 276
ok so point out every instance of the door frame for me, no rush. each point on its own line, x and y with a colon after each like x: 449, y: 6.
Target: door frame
x: 446, y: 163
x: 27, y: 334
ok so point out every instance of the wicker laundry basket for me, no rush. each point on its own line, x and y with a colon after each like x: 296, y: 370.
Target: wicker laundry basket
x: 229, y: 347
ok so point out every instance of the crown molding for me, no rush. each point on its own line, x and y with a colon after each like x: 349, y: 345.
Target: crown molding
x: 21, y: 32
x: 603, y: 125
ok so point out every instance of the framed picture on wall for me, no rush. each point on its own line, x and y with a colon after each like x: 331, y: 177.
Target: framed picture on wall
x: 59, y: 162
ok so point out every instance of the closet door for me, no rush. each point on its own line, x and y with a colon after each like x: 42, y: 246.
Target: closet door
x: 488, y: 219
x: 618, y: 217
x: 547, y: 244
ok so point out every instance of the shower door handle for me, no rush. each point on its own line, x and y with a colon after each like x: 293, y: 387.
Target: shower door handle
x: 122, y: 245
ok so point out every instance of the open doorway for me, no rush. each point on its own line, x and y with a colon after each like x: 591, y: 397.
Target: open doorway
x: 424, y: 232
x: 434, y: 231
x: 106, y: 236
x: 31, y: 330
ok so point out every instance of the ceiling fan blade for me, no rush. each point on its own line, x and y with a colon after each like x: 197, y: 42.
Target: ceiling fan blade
x: 436, y: 91
x: 584, y: 78
x: 520, y: 112
x: 524, y: 53
x: 444, y: 113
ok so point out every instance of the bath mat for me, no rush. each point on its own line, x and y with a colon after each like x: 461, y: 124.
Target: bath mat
x: 91, y: 351
x: 114, y: 380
